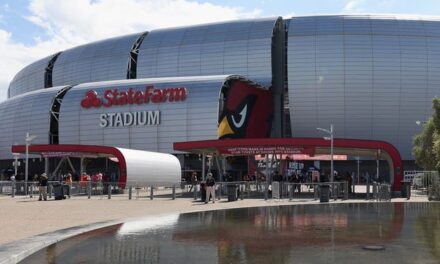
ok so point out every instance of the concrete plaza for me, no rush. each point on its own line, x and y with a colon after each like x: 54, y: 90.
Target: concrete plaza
x: 26, y: 217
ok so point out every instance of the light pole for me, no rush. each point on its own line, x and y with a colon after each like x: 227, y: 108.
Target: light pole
x: 358, y: 171
x: 16, y: 155
x: 28, y: 140
x: 420, y: 123
x: 330, y: 132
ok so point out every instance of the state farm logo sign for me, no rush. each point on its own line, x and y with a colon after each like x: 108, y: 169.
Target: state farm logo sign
x: 131, y: 96
x: 114, y: 97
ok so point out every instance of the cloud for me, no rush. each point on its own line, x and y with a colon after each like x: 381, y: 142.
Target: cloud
x: 70, y: 23
x: 82, y: 20
x: 354, y: 6
x: 288, y: 15
x: 14, y: 56
x: 362, y: 6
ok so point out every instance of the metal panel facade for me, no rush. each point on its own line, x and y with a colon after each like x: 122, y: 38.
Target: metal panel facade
x: 30, y: 78
x: 240, y: 47
x: 98, y: 61
x: 28, y: 112
x: 372, y: 77
x: 195, y: 118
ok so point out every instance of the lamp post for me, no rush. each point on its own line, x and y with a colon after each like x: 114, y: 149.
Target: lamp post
x: 16, y: 155
x: 330, y: 132
x: 420, y: 123
x: 358, y: 171
x: 28, y: 140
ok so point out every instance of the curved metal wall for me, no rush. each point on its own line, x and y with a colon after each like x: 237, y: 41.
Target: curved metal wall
x: 239, y: 47
x: 195, y: 118
x: 29, y: 112
x: 30, y: 78
x: 98, y: 61
x: 371, y: 76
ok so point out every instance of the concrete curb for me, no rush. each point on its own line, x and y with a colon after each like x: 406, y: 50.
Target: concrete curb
x: 18, y: 250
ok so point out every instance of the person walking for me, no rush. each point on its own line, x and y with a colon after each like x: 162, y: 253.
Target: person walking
x: 42, y: 187
x: 69, y: 183
x: 193, y: 180
x: 210, y: 188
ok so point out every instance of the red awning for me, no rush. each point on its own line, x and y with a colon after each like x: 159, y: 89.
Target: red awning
x: 255, y: 146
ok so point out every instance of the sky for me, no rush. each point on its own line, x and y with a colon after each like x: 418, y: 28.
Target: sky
x: 31, y: 30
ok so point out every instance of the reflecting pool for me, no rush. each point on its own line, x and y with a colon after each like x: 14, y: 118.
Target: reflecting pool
x: 331, y: 233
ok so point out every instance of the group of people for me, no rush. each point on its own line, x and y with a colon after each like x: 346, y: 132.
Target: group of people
x: 43, y: 183
x: 208, y: 186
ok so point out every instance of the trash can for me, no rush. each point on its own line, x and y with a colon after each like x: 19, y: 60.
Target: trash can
x: 324, y: 195
x: 232, y: 192
x: 405, y: 189
x: 202, y: 191
x: 66, y: 190
x: 58, y: 191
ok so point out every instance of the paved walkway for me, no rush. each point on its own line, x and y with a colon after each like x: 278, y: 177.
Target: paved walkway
x: 25, y: 217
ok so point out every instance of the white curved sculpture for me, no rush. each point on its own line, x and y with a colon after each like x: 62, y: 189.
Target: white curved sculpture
x: 146, y: 167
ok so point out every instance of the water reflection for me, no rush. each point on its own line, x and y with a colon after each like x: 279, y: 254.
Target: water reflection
x: 284, y: 234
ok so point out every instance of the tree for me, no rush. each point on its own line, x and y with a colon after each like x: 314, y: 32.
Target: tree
x: 426, y: 149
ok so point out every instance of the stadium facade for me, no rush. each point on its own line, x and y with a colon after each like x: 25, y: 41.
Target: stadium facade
x: 371, y: 77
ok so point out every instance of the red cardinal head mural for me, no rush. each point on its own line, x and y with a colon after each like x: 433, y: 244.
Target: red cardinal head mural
x: 245, y: 110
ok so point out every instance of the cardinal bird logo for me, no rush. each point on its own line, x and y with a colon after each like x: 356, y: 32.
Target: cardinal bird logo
x: 246, y: 111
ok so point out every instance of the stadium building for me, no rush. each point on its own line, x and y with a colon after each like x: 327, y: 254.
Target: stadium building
x: 371, y: 77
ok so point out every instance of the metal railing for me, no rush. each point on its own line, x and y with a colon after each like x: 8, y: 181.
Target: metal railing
x: 237, y: 190
x: 423, y: 183
x: 382, y: 192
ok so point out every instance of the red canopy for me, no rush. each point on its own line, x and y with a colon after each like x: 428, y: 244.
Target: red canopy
x: 254, y: 146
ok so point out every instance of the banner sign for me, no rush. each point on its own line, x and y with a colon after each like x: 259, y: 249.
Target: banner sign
x: 266, y: 150
x: 62, y: 154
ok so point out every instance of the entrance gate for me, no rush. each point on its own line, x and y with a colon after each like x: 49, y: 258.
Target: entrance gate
x: 423, y: 183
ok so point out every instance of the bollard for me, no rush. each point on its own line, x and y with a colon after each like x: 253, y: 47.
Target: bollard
x: 151, y: 192
x: 13, y: 190
x: 174, y: 192
x: 290, y: 192
x: 216, y: 189
x: 137, y: 188
x: 109, y: 191
x: 315, y: 192
x: 89, y: 190
x: 195, y: 192
x: 241, y: 191
x: 32, y: 191
x: 220, y: 186
x: 368, y: 189
x: 248, y: 190
x: 346, y: 190
x: 408, y: 191
x: 130, y: 190
x: 375, y: 196
x: 49, y: 190
x: 266, y: 192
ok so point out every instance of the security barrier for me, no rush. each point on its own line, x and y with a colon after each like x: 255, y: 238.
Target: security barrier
x: 237, y: 190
